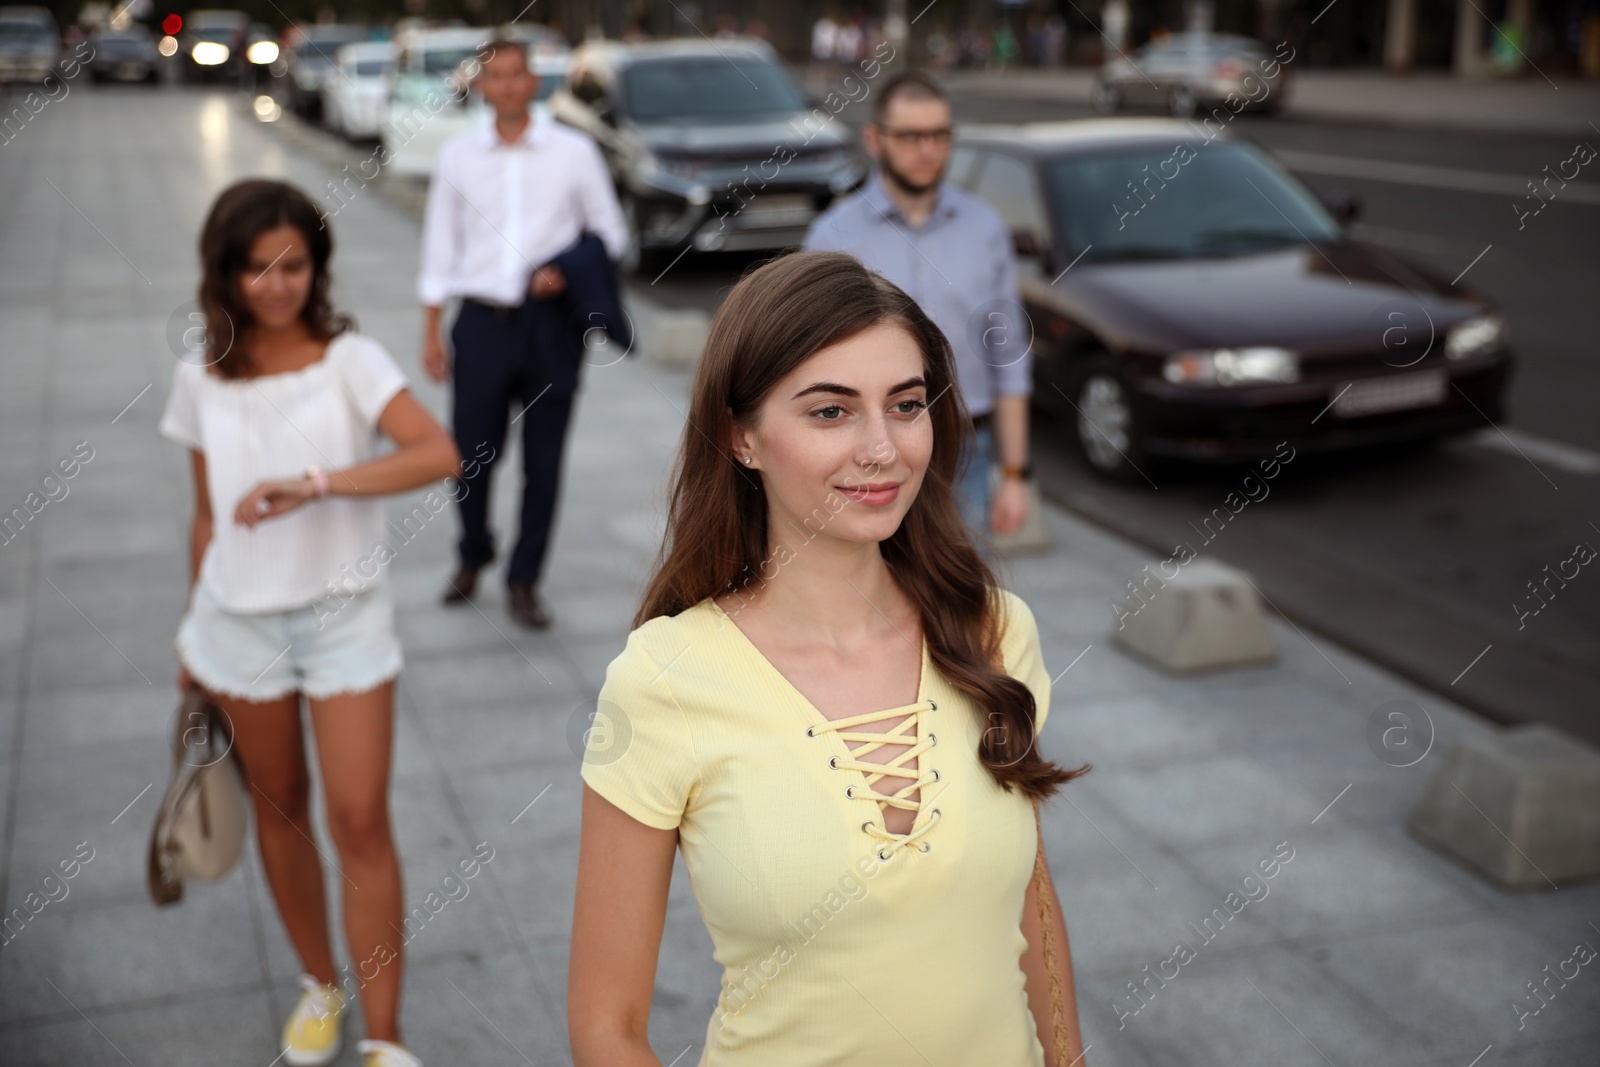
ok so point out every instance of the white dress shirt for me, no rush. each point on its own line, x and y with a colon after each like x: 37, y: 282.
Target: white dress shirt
x: 498, y: 211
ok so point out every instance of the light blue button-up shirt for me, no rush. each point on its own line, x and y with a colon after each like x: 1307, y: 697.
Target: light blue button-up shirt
x: 958, y: 265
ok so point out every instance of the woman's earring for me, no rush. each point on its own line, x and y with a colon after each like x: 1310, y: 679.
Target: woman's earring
x: 747, y: 459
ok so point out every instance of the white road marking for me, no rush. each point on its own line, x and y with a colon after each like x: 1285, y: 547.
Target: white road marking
x: 1558, y: 454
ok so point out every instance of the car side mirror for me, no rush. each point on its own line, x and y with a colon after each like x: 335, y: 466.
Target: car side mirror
x: 1344, y: 207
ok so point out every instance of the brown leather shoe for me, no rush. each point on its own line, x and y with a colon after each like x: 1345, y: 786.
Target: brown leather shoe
x: 527, y: 607
x: 462, y: 584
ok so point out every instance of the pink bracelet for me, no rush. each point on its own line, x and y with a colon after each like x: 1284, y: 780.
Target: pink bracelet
x: 319, y: 481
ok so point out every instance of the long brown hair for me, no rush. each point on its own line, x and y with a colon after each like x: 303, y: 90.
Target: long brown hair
x: 241, y: 213
x: 777, y: 317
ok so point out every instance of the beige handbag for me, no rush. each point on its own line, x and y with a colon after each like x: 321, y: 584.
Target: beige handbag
x: 1042, y: 891
x: 200, y: 829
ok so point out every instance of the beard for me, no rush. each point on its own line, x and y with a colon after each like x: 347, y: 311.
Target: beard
x: 894, y: 174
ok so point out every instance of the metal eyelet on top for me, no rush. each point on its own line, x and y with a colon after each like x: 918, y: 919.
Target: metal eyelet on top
x: 933, y: 739
x: 924, y: 847
x: 866, y: 825
x: 833, y: 761
x: 850, y: 792
x: 935, y: 774
x: 811, y: 731
x: 933, y: 705
x: 883, y: 854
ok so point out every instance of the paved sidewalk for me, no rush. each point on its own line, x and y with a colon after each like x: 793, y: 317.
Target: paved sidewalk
x: 1367, y: 949
x: 1528, y: 104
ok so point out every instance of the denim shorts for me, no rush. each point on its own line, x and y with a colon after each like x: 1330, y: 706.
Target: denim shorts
x: 268, y: 655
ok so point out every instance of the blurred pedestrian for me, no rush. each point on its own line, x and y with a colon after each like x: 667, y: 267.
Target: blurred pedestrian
x: 953, y: 254
x: 281, y: 419
x: 824, y: 43
x: 523, y: 226
x: 832, y: 709
x: 848, y: 44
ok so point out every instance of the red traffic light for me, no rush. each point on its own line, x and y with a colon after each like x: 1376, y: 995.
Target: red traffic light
x: 172, y: 24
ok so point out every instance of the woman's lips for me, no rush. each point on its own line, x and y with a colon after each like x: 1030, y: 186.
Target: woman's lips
x: 873, y: 494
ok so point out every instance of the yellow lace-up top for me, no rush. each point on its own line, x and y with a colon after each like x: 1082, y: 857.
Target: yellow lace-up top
x: 841, y: 941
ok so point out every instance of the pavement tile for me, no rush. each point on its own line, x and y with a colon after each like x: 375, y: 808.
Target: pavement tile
x: 123, y: 952
x: 179, y: 1030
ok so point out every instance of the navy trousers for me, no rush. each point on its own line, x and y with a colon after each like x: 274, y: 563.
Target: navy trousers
x: 498, y: 382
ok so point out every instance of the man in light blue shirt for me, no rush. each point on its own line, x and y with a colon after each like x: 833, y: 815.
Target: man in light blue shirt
x: 952, y: 254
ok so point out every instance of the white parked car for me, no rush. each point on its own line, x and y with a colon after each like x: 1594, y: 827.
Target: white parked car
x: 433, y: 66
x: 355, y: 97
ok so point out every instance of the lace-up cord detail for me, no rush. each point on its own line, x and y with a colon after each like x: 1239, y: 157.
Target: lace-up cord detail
x: 870, y: 742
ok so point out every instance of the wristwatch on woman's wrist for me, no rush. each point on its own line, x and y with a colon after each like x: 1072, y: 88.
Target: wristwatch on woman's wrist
x: 319, y: 481
x: 1022, y: 473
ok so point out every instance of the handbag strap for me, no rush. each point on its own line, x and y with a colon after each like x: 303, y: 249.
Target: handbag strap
x: 1042, y: 892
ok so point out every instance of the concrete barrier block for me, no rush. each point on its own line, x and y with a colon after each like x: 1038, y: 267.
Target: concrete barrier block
x: 673, y: 337
x: 1205, y: 616
x: 1519, y: 806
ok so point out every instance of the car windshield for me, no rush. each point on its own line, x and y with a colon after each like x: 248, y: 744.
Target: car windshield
x: 17, y: 29
x: 707, y: 87
x: 445, y: 60
x: 1216, y: 199
x: 373, y: 68
x: 323, y: 49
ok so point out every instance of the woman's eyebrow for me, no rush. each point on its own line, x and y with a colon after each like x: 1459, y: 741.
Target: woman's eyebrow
x: 845, y: 390
x: 826, y: 387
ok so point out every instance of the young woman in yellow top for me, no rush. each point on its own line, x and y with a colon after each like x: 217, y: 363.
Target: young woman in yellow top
x: 830, y: 707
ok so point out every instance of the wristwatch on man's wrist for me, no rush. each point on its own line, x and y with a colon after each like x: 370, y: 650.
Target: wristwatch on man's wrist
x: 1022, y: 473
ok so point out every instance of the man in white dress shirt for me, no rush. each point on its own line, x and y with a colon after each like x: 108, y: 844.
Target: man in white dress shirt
x: 507, y: 199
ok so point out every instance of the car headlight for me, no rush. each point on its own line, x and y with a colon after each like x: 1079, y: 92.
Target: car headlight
x: 1232, y: 366
x: 210, y: 53
x: 1474, y: 337
x: 262, y: 52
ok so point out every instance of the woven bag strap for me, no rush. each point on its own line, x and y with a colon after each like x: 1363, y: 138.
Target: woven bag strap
x: 1052, y: 962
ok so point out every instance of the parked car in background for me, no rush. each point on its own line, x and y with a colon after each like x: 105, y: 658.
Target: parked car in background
x: 431, y: 91
x: 211, y: 45
x: 712, y: 145
x: 125, y: 55
x: 355, y: 100
x: 1190, y: 299
x: 30, y: 43
x: 1190, y: 72
x: 311, y: 63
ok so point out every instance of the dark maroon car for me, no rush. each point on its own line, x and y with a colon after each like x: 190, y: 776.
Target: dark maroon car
x: 1190, y: 299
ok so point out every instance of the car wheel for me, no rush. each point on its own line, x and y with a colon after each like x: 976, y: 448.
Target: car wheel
x: 1106, y: 421
x: 1105, y: 99
x: 1182, y: 102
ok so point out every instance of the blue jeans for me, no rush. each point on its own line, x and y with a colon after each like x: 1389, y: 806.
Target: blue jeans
x: 973, y: 494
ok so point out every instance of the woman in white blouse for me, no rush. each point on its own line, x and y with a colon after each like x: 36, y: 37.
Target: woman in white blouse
x: 281, y: 410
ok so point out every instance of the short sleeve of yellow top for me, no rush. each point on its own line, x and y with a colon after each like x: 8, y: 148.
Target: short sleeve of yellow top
x: 840, y: 942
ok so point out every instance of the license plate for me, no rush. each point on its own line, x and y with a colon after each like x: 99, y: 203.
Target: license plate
x: 1397, y: 392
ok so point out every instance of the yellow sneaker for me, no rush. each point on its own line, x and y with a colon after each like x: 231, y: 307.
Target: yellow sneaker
x: 311, y: 1036
x: 385, y: 1054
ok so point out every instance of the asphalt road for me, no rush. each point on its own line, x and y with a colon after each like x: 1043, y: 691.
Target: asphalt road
x: 1418, y: 560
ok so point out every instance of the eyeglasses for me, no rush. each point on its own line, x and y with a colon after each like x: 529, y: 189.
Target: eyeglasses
x: 939, y: 137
